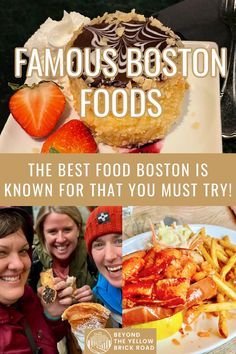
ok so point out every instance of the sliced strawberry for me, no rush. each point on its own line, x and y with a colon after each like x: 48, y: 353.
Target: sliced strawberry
x: 72, y: 137
x: 38, y: 108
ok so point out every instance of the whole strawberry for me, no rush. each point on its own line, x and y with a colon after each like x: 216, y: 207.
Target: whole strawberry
x: 72, y: 137
x: 37, y: 108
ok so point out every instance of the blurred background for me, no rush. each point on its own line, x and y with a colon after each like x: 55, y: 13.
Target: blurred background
x: 19, y: 19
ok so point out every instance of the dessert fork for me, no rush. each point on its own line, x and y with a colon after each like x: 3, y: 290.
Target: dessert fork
x: 228, y: 90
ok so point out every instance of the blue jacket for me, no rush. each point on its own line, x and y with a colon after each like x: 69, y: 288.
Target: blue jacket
x: 110, y: 296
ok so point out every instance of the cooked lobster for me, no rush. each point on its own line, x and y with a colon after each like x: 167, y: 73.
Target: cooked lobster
x: 159, y: 282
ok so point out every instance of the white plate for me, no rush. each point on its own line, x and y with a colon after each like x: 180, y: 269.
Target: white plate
x: 191, y: 343
x: 198, y: 129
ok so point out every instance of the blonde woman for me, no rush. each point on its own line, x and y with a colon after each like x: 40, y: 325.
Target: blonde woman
x: 60, y: 246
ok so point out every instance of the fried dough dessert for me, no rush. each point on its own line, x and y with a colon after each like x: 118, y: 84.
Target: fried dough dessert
x: 49, y: 292
x: 71, y: 281
x: 122, y: 30
x: 86, y: 315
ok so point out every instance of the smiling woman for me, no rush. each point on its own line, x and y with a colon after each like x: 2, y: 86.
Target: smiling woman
x: 103, y: 237
x: 19, y: 330
x: 59, y: 248
x: 15, y: 261
x: 106, y: 252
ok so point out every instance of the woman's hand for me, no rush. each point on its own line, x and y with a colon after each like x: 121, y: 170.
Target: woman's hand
x: 83, y: 294
x: 63, y: 300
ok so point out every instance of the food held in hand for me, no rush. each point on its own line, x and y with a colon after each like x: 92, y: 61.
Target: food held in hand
x: 121, y: 31
x: 86, y: 315
x: 72, y: 137
x: 49, y: 292
x: 71, y: 281
x: 37, y: 108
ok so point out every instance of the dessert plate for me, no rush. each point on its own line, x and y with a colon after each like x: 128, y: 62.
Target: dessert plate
x: 197, y: 131
x: 190, y: 342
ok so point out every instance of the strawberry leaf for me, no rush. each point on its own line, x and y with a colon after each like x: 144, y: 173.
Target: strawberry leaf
x: 52, y: 150
x: 16, y: 87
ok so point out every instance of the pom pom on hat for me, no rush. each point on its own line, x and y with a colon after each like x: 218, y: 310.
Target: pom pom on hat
x: 102, y: 221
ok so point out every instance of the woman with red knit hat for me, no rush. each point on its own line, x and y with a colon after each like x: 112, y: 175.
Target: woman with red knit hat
x: 103, y: 237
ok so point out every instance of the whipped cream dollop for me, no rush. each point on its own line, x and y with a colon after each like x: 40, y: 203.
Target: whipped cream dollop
x: 56, y: 34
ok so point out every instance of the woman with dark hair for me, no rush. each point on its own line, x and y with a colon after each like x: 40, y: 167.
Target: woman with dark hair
x: 26, y: 325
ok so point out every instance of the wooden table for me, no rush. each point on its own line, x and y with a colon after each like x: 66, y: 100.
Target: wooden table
x: 139, y: 222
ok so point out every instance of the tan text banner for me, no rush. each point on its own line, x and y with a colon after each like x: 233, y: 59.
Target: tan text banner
x: 118, y: 179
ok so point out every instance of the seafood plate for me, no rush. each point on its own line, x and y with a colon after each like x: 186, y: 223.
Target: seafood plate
x: 161, y: 280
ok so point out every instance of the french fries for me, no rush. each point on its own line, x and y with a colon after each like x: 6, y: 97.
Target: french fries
x: 191, y: 315
x: 229, y: 253
x: 228, y: 266
x: 200, y: 275
x: 222, y: 257
x: 231, y: 285
x: 207, y: 256
x: 220, y: 254
x: 214, y: 253
x: 216, y: 307
x: 222, y: 323
x: 226, y: 238
x: 228, y: 245
x: 224, y: 288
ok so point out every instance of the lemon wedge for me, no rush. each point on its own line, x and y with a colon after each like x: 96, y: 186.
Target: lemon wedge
x: 165, y: 327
